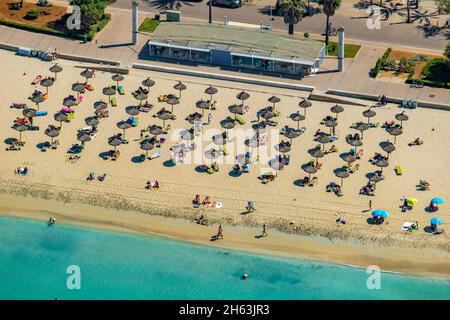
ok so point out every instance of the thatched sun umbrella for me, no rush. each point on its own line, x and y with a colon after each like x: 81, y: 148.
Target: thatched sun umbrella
x: 141, y: 97
x: 382, y: 164
x: 78, y: 88
x: 355, y: 143
x: 84, y: 137
x: 100, y: 105
x: 124, y: 126
x: 147, y: 146
x: 46, y: 83
x: 20, y: 128
x: 211, y: 91
x: 305, y: 104
x: 201, y: 104
x: 297, y: 117
x: 276, y: 165
x: 387, y: 147
x: 331, y: 124
x: 52, y: 133
x: 109, y: 91
x: 180, y: 87
x: 165, y: 115
x: 132, y: 110
x: 369, y: 113
x: 343, y: 175
x: 361, y: 127
x: 87, y: 74
x: 148, y: 83
x: 221, y: 139
x: 236, y: 109
x: 267, y: 114
x: 242, y: 96
x: 114, y: 142
x: 69, y: 103
x: 274, y: 100
x: 156, y: 130
x: 60, y: 117
x: 401, y: 117
x: 349, y: 158
x: 375, y: 178
x: 309, y: 169
x: 317, y: 153
x: 291, y: 134
x: 172, y: 101
x: 194, y: 118
x: 55, y: 69
x: 92, y: 121
x: 38, y: 99
x: 29, y: 113
x: 227, y: 124
x: 212, y: 154
x: 323, y: 140
x: 395, y: 132
x: 284, y: 147
x: 336, y: 110
x: 117, y: 78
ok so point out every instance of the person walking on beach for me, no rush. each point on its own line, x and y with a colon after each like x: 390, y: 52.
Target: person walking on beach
x: 264, y: 232
x: 370, y: 205
x: 209, y: 118
x: 220, y: 232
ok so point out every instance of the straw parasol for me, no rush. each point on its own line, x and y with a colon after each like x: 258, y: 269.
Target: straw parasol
x: 361, y: 127
x: 132, y: 110
x: 124, y: 126
x: 20, y: 128
x: 147, y: 146
x: 395, y: 132
x: 156, y: 130
x: 29, y: 113
x: 242, y: 96
x: 212, y: 154
x: 69, y: 103
x: 317, y: 153
x: 348, y: 157
x: 60, y: 117
x: 221, y: 139
x: 236, y: 109
x: 141, y: 97
x: 165, y: 115
x: 401, y: 117
x: 276, y: 165
x: 46, y: 83
x: 355, y: 143
x: 117, y: 78
x: 100, y: 105
x: 284, y: 147
x: 56, y: 69
x: 305, y: 104
x: 291, y: 134
x: 342, y: 174
x: 187, y: 134
x: 274, y: 100
x: 375, y: 178
x: 148, y: 83
x: 323, y: 140
x: 84, y: 137
x: 194, y: 118
x: 38, y: 99
x: 92, y: 121
x: 336, y: 110
x: 201, y: 104
x: 267, y: 114
x: 114, y: 142
x: 52, y: 133
x: 331, y: 124
x: 382, y: 164
x: 78, y: 88
x: 87, y: 74
x: 180, y: 87
x: 309, y: 169
x: 297, y: 117
x: 387, y: 147
x: 211, y: 91
x: 369, y: 113
x: 227, y: 124
x: 109, y: 91
x: 172, y: 101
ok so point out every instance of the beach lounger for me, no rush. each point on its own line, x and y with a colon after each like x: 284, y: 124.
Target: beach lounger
x: 155, y: 155
x: 121, y: 90
x: 398, y: 170
x: 114, y: 101
x: 240, y: 119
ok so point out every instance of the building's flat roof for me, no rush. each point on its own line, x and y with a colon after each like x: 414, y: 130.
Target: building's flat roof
x: 238, y: 40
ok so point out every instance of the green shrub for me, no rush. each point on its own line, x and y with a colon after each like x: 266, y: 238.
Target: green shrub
x: 306, y: 35
x: 32, y: 14
x: 29, y: 27
x: 382, y: 63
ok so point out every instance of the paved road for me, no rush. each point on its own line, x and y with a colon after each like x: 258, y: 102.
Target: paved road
x: 354, y: 21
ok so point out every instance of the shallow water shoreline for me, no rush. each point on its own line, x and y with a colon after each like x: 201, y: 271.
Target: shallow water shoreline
x: 411, y: 261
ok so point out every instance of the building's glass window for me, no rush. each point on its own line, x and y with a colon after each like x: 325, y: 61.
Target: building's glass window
x: 284, y: 67
x: 240, y: 61
x: 200, y: 56
x: 178, y: 53
x: 263, y: 64
x: 159, y: 51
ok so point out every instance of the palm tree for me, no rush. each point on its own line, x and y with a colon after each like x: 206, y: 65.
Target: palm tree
x: 292, y: 11
x: 329, y: 8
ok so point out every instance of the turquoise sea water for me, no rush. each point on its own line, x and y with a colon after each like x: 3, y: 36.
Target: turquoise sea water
x: 34, y: 259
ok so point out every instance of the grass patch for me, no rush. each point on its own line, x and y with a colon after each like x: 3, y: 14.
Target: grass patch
x: 350, y: 50
x: 149, y: 25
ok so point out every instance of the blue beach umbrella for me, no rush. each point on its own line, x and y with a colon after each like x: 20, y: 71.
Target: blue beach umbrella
x: 436, y: 221
x: 437, y: 200
x: 380, y: 213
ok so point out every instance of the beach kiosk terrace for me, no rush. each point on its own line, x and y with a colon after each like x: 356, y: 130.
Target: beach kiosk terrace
x: 240, y: 47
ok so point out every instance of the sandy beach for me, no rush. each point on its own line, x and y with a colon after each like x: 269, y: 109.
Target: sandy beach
x: 301, y: 221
